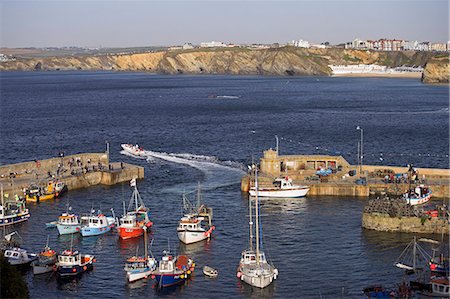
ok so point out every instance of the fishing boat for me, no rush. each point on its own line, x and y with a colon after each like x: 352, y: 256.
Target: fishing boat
x: 140, y: 267
x: 133, y: 149
x: 46, y: 261
x: 12, y: 211
x: 72, y: 263
x: 419, y: 195
x: 68, y: 224
x: 97, y: 224
x: 413, y: 258
x: 282, y: 187
x: 254, y: 268
x: 52, y: 190
x: 210, y: 272
x: 19, y: 257
x: 190, y: 229
x: 173, y: 270
x: 135, y: 217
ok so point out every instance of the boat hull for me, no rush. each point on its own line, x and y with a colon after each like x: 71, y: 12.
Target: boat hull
x: 73, y: 270
x: 258, y: 282
x: 189, y: 237
x: 40, y: 198
x: 41, y: 268
x: 68, y: 229
x: 167, y: 280
x: 13, y: 219
x: 135, y: 275
x: 94, y: 231
x: 131, y: 232
x: 419, y: 200
x: 291, y: 193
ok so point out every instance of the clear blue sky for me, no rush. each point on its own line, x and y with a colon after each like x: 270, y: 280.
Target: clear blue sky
x: 150, y: 23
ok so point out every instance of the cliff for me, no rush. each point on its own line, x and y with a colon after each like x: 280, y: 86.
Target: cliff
x: 437, y: 70
x: 274, y: 61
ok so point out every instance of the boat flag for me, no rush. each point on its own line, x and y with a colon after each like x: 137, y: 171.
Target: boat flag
x: 133, y: 183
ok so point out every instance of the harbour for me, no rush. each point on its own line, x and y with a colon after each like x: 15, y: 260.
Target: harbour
x: 217, y: 158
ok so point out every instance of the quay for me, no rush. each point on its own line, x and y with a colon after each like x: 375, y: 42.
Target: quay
x: 343, y: 181
x: 76, y: 171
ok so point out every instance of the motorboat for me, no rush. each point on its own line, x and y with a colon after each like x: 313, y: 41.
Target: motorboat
x: 97, y: 224
x: 19, y: 257
x: 72, y: 263
x: 52, y: 190
x: 419, y: 195
x: 12, y: 211
x: 135, y: 217
x: 254, y: 268
x: 135, y: 149
x: 282, y: 187
x: 68, y: 224
x: 173, y: 270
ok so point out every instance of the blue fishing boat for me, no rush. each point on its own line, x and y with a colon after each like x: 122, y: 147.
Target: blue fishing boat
x: 72, y: 263
x: 173, y: 270
x: 97, y: 225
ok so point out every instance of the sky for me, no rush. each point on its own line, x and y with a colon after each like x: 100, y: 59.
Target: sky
x: 132, y: 23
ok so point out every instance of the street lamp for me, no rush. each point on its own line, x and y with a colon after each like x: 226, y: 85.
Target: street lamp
x: 361, y: 151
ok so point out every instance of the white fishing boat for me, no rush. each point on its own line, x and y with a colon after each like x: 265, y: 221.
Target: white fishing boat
x: 210, y: 272
x: 282, y: 187
x: 46, y: 261
x: 19, y: 257
x: 190, y: 229
x: 254, y: 268
x: 138, y: 267
x: 68, y: 224
x: 419, y: 195
x: 133, y: 149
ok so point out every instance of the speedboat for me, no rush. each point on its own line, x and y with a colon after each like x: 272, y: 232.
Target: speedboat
x: 132, y: 222
x: 282, y: 187
x: 19, y: 257
x: 97, y: 225
x: 46, y: 261
x: 173, y: 270
x: 72, y: 263
x: 420, y: 195
x: 133, y: 149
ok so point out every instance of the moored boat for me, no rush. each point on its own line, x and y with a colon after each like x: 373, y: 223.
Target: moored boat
x: 210, y: 272
x: 46, y: 261
x: 12, y: 211
x: 133, y: 149
x: 19, y: 257
x: 68, y: 224
x: 135, y: 218
x: 173, y: 270
x: 420, y: 195
x: 138, y: 267
x: 283, y: 188
x: 72, y: 263
x: 254, y: 269
x: 97, y: 224
x: 52, y: 190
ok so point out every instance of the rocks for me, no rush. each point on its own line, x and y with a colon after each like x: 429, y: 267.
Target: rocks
x: 437, y: 70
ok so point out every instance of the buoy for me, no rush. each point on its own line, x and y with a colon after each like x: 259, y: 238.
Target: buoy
x: 188, y: 271
x: 74, y: 270
x: 238, y: 274
x: 84, y: 268
x: 182, y: 276
x: 192, y: 269
x: 94, y: 260
x: 193, y: 265
x: 153, y: 276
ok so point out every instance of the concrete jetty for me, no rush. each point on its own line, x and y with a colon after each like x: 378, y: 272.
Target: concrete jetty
x: 76, y: 171
x: 302, y: 169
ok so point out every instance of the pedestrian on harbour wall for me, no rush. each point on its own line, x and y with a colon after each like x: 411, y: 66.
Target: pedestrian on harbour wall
x: 121, y: 165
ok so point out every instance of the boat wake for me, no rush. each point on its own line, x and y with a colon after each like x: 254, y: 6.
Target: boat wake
x: 216, y: 173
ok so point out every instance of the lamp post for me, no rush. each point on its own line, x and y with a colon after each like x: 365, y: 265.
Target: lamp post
x: 361, y: 151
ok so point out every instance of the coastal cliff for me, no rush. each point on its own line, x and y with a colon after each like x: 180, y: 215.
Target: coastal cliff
x: 275, y: 61
x: 437, y: 70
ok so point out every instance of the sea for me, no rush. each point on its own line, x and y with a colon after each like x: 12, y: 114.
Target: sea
x: 204, y: 131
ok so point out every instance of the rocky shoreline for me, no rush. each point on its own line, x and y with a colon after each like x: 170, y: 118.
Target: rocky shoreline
x: 285, y: 61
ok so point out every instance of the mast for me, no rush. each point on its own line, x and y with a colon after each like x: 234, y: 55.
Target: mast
x: 145, y: 242
x: 198, y: 197
x: 257, y: 215
x: 414, y: 253
x: 250, y: 222
x: 135, y: 197
x: 1, y: 191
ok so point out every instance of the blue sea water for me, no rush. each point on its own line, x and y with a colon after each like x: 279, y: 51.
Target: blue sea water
x: 207, y: 129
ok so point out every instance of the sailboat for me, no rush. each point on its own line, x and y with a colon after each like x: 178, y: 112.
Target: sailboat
x: 140, y: 267
x: 254, y: 268
x: 132, y: 222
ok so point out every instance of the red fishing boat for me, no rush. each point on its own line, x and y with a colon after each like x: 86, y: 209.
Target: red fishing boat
x: 135, y: 217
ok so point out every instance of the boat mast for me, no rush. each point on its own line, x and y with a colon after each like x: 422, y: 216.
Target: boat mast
x: 145, y: 242
x: 1, y: 191
x: 251, y: 221
x: 257, y: 215
x: 414, y: 254
x: 198, y: 198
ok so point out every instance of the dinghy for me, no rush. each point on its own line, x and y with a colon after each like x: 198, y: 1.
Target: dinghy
x: 210, y: 272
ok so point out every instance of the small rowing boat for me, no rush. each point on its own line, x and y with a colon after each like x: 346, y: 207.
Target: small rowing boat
x: 210, y: 272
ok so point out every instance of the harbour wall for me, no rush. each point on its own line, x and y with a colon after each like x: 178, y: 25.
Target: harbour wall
x: 383, y: 222
x: 98, y: 171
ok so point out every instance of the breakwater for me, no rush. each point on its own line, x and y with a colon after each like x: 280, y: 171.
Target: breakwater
x: 76, y: 171
x: 303, y: 168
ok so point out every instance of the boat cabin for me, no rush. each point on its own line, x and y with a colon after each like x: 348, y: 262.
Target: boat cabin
x: 166, y: 264
x: 249, y: 257
x: 441, y: 287
x: 68, y: 219
x: 129, y: 220
x: 98, y: 221
x: 283, y: 183
x: 16, y: 253
x: 69, y: 258
x: 190, y: 223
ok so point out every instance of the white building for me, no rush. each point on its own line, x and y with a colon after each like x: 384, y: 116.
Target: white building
x: 212, y: 44
x: 440, y: 47
x: 188, y: 46
x: 301, y: 43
